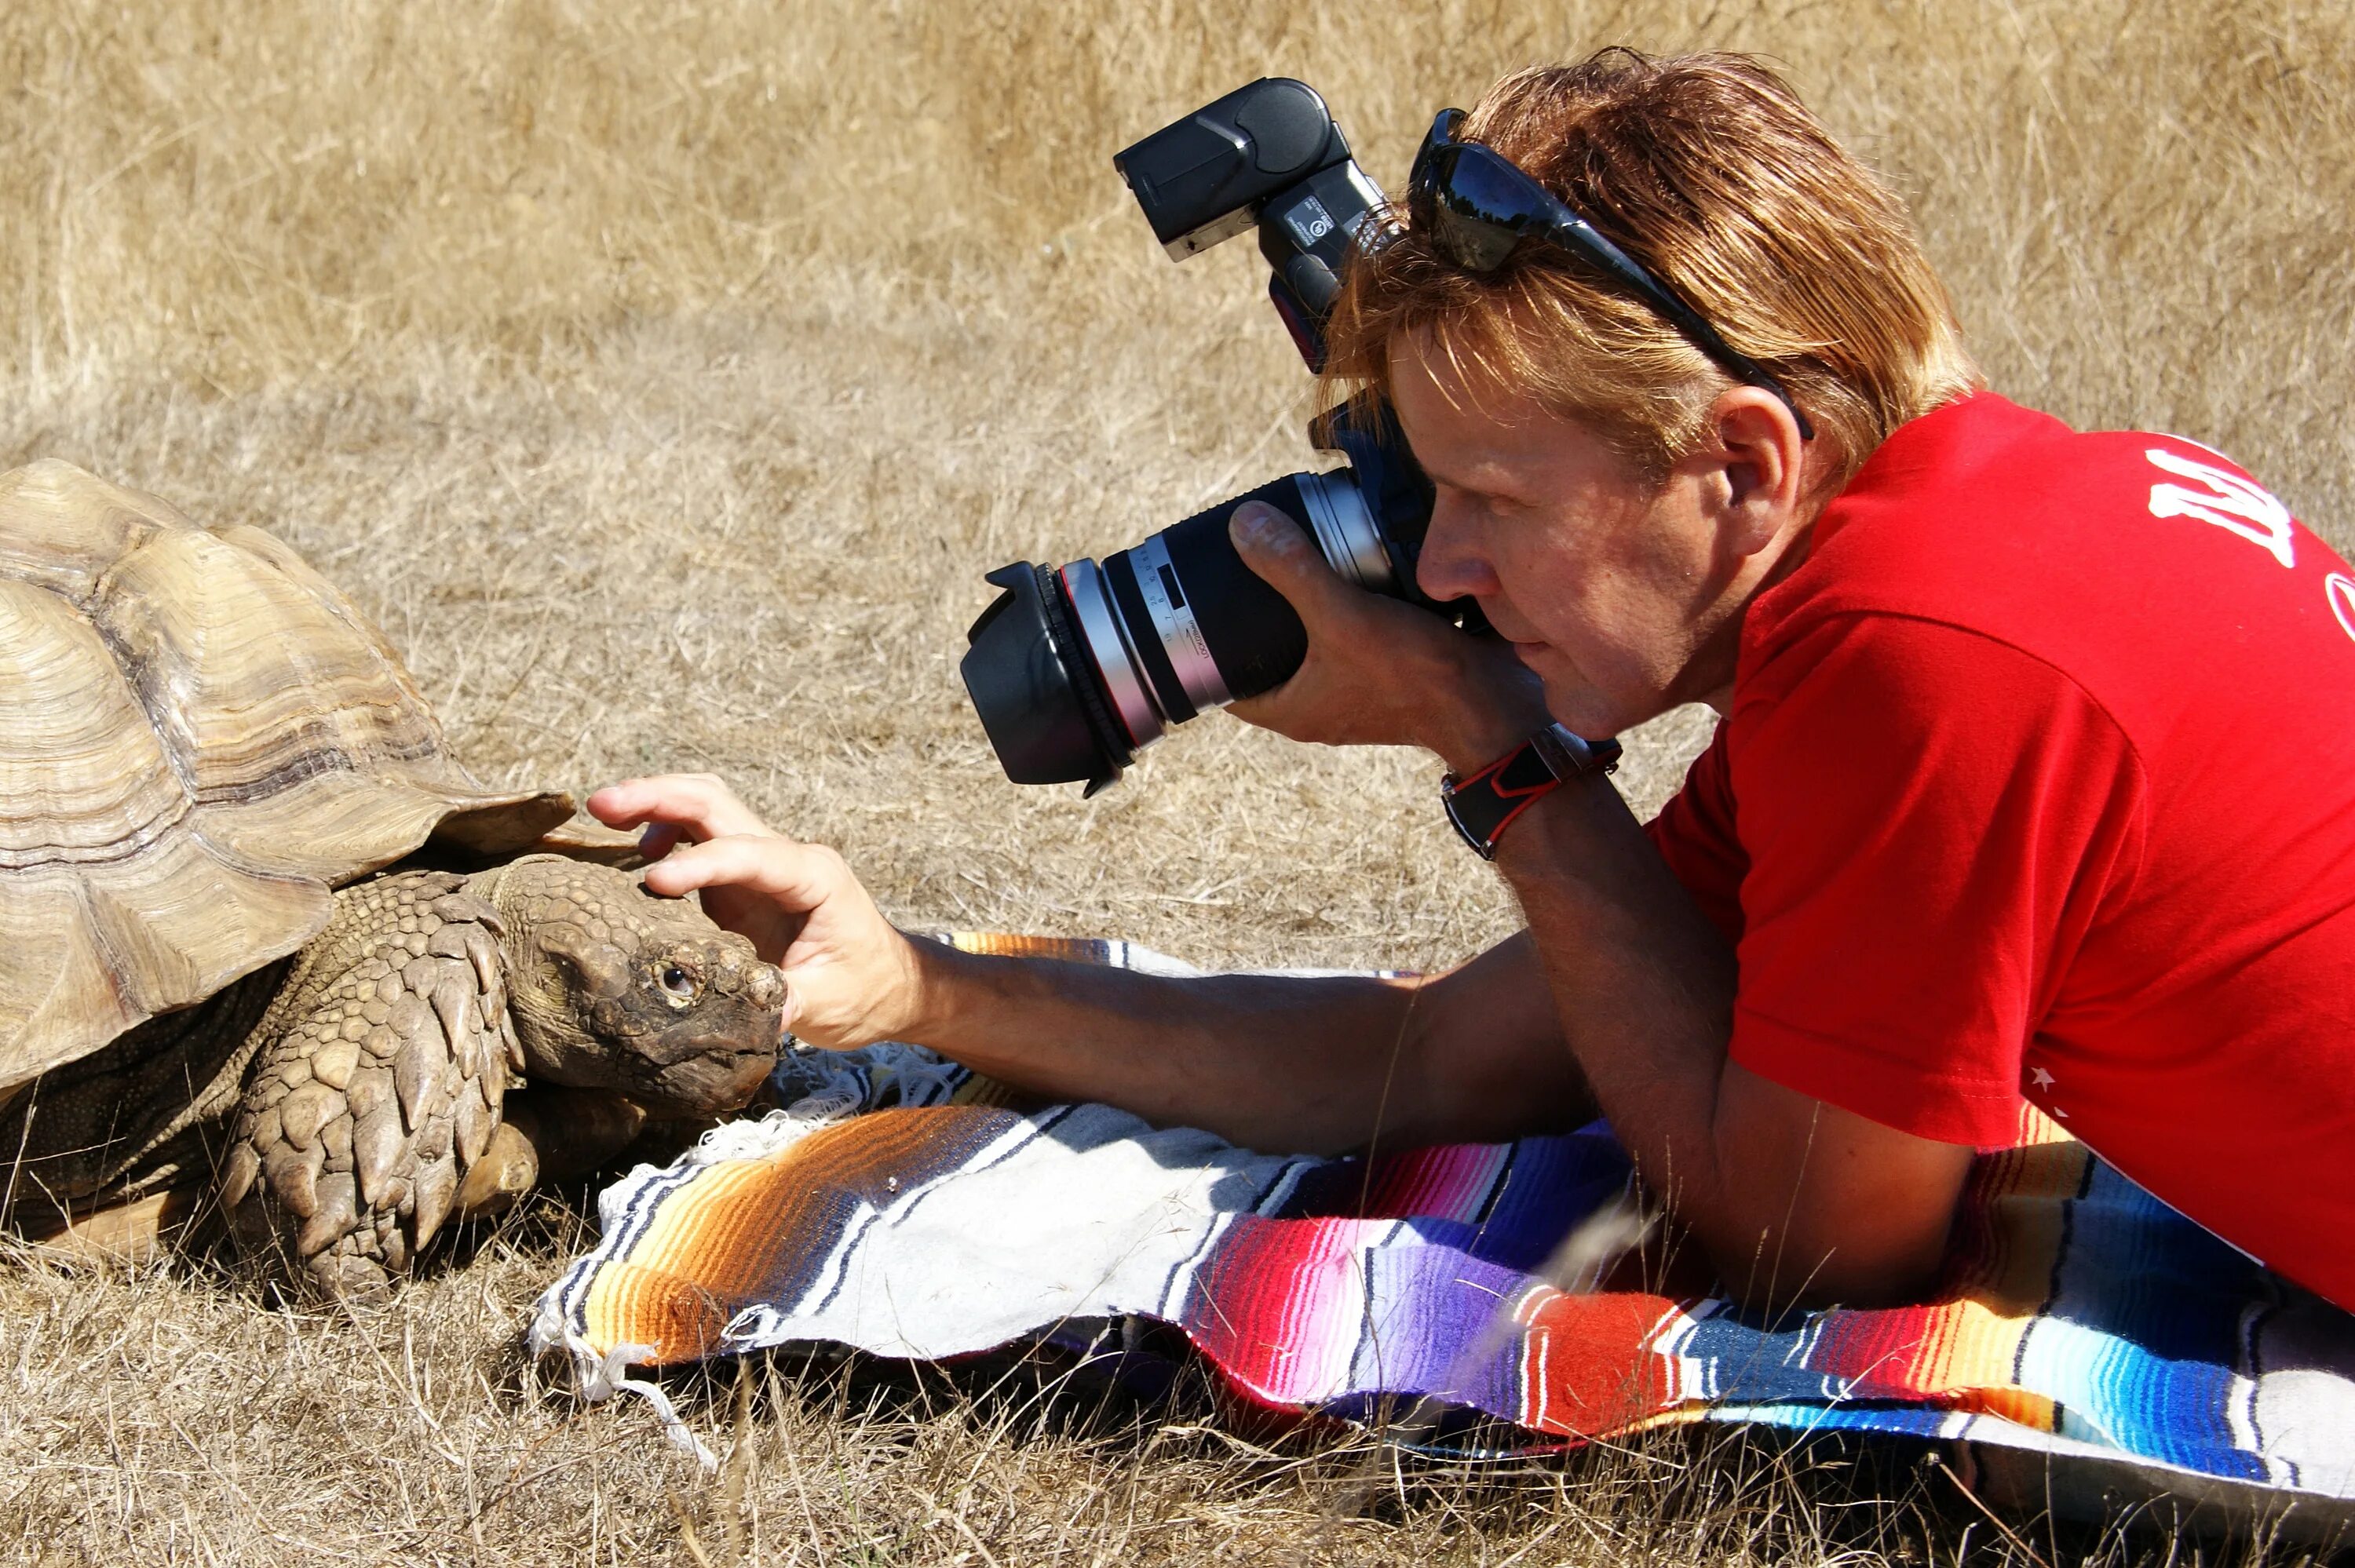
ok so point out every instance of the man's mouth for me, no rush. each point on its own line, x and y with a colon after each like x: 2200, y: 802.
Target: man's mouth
x: 1502, y: 625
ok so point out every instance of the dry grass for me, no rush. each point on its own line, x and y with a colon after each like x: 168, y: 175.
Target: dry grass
x: 665, y: 376
x: 163, y: 1419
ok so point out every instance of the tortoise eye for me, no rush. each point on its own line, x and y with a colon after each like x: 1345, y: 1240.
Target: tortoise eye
x: 677, y: 983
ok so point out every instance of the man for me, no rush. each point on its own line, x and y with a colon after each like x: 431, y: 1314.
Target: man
x: 2036, y: 780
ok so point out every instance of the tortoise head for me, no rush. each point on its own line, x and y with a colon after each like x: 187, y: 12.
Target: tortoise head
x: 611, y: 987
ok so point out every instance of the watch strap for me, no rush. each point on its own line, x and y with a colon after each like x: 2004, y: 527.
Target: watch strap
x: 1483, y: 804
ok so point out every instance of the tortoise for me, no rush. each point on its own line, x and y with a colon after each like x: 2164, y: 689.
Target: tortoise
x: 275, y: 963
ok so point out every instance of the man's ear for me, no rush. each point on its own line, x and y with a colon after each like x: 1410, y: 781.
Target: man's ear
x: 1762, y: 459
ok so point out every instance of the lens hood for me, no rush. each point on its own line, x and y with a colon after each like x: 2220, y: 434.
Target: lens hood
x: 1045, y: 719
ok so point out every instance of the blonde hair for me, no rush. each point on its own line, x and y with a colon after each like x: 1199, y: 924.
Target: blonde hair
x: 1709, y: 171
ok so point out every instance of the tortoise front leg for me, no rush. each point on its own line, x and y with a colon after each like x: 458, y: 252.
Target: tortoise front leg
x: 509, y: 1169
x: 379, y: 1089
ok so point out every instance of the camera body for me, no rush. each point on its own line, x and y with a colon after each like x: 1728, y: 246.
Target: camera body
x: 1075, y: 669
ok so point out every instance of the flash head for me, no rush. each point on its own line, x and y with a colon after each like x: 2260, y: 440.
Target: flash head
x: 1266, y: 156
x: 1204, y: 179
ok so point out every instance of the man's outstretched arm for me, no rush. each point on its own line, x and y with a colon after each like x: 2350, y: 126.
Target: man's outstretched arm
x: 1273, y: 1061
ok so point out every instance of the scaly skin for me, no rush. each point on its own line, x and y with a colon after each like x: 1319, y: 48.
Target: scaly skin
x: 385, y: 1061
x: 615, y: 989
x: 130, y: 1119
x: 344, y: 1097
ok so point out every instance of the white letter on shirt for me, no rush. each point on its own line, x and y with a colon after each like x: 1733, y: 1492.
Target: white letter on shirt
x: 2254, y: 513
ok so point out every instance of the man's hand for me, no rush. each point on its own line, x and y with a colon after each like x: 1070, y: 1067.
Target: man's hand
x: 1380, y: 672
x: 851, y: 976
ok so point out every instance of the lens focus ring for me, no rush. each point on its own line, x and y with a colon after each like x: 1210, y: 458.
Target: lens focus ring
x: 1174, y: 623
x: 1345, y: 530
x: 1099, y: 624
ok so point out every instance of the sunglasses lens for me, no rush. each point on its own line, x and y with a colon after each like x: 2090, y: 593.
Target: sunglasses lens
x: 1474, y: 205
x: 1432, y: 161
x: 1483, y: 185
x: 1470, y: 243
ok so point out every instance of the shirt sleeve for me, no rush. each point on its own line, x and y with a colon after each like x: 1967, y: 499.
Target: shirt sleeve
x: 1695, y: 835
x: 1931, y: 819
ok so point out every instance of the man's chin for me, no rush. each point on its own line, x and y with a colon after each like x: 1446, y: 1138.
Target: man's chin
x: 1579, y: 706
x: 1570, y: 698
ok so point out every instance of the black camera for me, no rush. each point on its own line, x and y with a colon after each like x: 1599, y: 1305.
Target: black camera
x: 1075, y: 669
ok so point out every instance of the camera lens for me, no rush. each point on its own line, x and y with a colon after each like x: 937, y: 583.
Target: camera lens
x: 1026, y: 672
x: 1075, y: 671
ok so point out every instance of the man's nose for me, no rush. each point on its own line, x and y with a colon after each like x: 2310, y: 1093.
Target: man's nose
x: 1450, y: 564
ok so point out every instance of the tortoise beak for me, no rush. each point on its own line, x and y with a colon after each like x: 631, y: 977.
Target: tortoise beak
x: 714, y: 1076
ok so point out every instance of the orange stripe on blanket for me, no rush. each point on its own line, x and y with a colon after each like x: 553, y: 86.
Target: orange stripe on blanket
x: 730, y: 1238
x: 1590, y: 1363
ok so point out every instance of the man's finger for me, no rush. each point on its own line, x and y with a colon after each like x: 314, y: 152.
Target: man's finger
x: 798, y: 876
x: 1281, y: 551
x: 695, y: 802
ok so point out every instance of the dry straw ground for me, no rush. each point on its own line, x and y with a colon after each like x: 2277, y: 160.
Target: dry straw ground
x: 665, y: 376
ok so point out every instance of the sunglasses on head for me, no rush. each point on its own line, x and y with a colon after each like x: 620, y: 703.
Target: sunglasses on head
x: 1476, y: 206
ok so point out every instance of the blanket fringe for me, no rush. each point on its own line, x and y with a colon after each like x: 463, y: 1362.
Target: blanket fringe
x: 599, y: 1378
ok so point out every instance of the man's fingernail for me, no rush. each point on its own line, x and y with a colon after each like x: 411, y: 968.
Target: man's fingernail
x: 1255, y: 524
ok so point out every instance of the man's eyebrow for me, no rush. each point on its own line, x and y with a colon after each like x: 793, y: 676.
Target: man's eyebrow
x: 1437, y: 477
x: 1462, y: 482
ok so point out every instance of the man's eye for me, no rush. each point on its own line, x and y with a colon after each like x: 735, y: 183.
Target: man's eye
x: 677, y: 982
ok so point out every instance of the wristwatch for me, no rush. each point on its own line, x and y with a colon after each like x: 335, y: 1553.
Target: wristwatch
x: 1483, y: 805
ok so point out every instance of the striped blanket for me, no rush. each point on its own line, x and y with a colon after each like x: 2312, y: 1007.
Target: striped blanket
x: 905, y: 1207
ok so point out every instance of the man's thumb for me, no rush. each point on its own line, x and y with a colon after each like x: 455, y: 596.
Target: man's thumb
x: 1274, y: 546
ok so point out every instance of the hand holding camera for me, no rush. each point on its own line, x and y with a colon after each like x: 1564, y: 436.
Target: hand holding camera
x: 1076, y: 668
x: 1380, y: 672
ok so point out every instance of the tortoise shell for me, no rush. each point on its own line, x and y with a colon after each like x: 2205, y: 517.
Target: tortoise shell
x: 200, y: 738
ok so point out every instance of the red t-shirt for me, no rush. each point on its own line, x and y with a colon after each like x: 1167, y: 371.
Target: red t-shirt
x: 2039, y: 781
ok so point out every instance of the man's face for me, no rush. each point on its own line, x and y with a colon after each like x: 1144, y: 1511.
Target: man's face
x: 1618, y: 594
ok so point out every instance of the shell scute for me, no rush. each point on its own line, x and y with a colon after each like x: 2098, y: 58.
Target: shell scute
x: 200, y: 738
x: 61, y: 529
x: 83, y: 774
x: 254, y: 682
